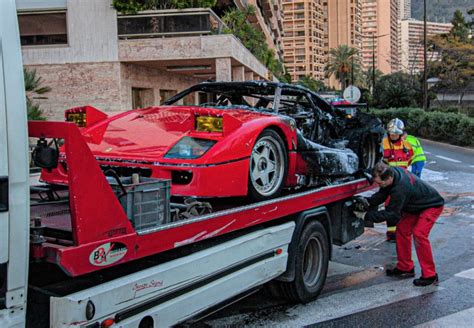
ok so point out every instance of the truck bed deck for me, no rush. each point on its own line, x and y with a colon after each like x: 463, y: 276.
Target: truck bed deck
x: 96, y: 233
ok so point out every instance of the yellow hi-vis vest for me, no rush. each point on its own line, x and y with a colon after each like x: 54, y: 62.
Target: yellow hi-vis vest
x: 418, y: 153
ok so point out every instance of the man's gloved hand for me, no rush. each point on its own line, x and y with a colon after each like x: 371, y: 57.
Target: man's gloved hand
x: 361, y: 203
x: 360, y: 214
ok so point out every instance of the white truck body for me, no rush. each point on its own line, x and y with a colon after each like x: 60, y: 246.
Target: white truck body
x: 14, y: 219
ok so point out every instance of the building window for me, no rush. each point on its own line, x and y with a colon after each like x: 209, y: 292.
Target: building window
x: 166, y: 94
x: 142, y: 97
x: 42, y: 28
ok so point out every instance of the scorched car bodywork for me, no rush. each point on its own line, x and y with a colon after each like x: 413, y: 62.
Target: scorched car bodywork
x: 242, y: 138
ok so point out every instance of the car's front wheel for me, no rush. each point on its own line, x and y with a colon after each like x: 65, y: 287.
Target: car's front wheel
x: 268, y: 166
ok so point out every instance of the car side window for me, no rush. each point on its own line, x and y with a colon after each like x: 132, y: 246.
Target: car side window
x: 321, y: 104
x: 293, y: 102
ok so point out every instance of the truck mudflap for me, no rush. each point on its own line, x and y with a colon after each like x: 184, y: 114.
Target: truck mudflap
x: 175, y: 291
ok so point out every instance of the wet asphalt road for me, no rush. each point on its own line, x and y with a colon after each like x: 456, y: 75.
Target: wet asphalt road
x: 357, y: 291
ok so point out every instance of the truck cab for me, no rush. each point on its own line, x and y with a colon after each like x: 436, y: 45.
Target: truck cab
x: 14, y: 175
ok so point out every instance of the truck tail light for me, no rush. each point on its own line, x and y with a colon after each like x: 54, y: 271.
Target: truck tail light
x: 107, y: 323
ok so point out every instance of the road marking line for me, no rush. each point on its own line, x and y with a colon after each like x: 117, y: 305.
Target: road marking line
x: 428, y: 152
x: 448, y: 159
x: 471, y: 165
x: 464, y: 318
x: 332, y: 306
x: 468, y: 274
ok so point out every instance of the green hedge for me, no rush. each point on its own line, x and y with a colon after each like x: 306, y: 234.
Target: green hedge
x: 456, y: 129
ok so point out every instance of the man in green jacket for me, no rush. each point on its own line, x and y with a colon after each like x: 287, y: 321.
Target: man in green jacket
x: 418, y: 160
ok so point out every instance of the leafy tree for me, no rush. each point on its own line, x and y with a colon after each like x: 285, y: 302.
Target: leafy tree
x: 286, y: 77
x: 456, y: 67
x: 343, y: 60
x: 396, y: 90
x: 133, y: 6
x: 364, y: 78
x: 460, y: 28
x: 471, y: 13
x: 34, y: 90
x: 439, y: 10
x: 311, y: 83
x: 238, y: 24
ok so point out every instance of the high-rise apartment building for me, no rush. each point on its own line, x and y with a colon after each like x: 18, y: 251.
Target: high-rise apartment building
x: 404, y: 8
x: 411, y: 43
x: 344, y: 26
x: 305, y: 52
x: 312, y: 27
x: 380, y: 34
x: 268, y: 19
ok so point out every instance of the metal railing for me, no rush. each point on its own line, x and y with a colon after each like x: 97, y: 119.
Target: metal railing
x: 169, y: 23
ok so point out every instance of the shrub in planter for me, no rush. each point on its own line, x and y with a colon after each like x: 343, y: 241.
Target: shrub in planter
x: 456, y: 129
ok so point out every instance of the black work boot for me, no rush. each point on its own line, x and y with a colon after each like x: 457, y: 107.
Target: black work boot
x: 423, y: 282
x: 391, y: 237
x: 396, y: 272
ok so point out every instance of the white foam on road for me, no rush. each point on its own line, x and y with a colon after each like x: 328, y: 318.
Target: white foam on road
x: 430, y: 175
x: 468, y: 274
x: 448, y: 159
x: 332, y: 306
x: 459, y: 319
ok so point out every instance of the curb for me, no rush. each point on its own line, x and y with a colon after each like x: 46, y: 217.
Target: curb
x: 459, y: 148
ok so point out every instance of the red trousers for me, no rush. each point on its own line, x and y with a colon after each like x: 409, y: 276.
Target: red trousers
x: 418, y: 226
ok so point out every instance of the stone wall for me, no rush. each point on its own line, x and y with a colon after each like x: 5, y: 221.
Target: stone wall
x: 73, y: 85
x: 106, y: 86
x: 137, y: 76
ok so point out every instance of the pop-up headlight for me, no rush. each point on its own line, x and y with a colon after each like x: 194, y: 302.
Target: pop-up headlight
x: 190, y: 148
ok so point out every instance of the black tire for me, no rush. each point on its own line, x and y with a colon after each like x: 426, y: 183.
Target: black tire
x: 311, y: 266
x: 369, y: 152
x: 277, y: 156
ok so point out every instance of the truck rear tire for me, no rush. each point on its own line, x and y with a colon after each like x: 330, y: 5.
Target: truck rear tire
x: 311, y: 266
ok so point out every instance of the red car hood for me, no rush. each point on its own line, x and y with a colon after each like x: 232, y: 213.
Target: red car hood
x: 149, y: 133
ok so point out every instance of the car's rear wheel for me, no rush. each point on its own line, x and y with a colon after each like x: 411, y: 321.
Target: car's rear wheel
x: 369, y: 152
x: 268, y: 166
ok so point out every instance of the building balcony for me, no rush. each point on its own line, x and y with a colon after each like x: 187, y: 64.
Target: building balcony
x: 188, y: 42
x: 169, y: 23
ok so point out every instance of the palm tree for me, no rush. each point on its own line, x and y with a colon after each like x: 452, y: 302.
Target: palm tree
x: 34, y: 90
x: 311, y: 83
x: 343, y: 60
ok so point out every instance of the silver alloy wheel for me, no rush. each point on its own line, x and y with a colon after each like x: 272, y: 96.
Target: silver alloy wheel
x: 312, y: 262
x: 267, y: 166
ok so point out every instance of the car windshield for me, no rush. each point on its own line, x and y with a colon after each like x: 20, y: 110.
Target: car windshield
x: 257, y: 95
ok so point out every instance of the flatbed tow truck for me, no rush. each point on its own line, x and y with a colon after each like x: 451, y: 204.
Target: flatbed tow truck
x: 81, y: 261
